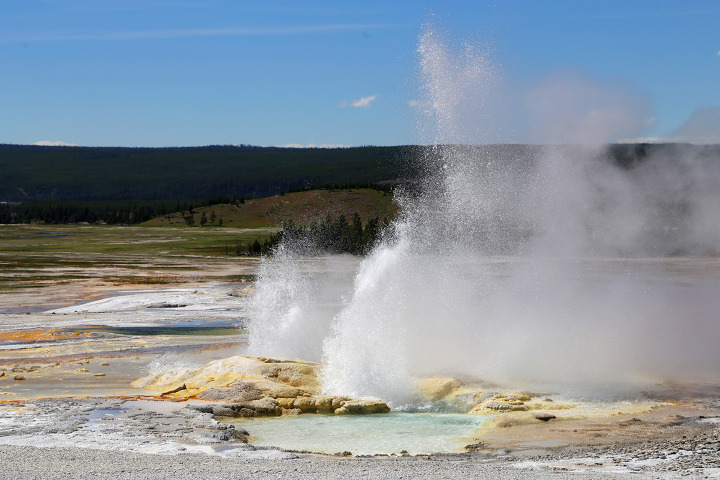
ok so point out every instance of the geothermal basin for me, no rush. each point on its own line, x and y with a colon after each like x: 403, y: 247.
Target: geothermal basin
x: 80, y: 366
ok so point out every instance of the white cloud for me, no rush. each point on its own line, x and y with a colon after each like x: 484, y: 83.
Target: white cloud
x: 414, y: 103
x: 314, y: 145
x: 55, y: 143
x: 718, y: 53
x: 363, y: 102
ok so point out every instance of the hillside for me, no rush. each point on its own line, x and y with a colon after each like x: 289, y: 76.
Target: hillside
x: 301, y: 207
x: 57, y: 185
x: 83, y: 174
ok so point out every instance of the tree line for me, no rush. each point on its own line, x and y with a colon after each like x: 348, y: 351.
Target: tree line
x: 331, y: 235
x: 385, y: 188
x: 66, y: 213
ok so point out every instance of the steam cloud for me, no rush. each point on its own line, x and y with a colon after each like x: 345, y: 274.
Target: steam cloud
x: 702, y: 127
x: 553, y: 266
x: 571, y: 107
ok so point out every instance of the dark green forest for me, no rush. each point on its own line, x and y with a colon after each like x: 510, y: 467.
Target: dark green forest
x: 187, y: 174
x: 130, y: 185
x: 331, y: 235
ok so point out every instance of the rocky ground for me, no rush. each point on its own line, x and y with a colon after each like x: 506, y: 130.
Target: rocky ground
x: 131, y: 424
x: 680, y: 439
x: 695, y: 454
x: 130, y: 438
x: 68, y: 409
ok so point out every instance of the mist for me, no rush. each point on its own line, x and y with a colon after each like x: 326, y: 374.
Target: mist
x: 575, y: 265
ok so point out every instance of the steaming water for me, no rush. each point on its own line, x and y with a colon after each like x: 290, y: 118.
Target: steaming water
x: 545, y: 266
x: 412, y: 432
x: 295, y: 302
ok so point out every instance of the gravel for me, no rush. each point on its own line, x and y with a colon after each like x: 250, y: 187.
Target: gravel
x: 58, y: 463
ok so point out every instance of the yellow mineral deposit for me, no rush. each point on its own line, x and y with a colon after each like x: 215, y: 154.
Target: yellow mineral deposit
x: 257, y: 386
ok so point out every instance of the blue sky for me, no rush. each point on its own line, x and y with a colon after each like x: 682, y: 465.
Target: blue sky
x: 199, y: 72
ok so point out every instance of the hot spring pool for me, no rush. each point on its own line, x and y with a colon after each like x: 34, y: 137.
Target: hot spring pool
x: 416, y: 433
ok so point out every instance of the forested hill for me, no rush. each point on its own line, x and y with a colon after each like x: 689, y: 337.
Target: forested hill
x: 32, y: 172
x: 150, y: 176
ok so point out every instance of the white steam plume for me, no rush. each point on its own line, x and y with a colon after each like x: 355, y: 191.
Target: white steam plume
x: 557, y: 266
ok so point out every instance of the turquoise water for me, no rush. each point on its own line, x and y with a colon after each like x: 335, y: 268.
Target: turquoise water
x: 416, y: 433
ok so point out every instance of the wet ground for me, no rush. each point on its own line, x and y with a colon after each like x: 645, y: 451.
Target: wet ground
x: 69, y: 351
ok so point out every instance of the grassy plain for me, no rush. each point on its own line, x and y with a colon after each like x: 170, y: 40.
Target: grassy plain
x: 52, y: 258
x: 49, y: 261
x: 125, y: 240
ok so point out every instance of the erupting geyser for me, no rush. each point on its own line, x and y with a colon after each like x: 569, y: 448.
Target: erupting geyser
x: 545, y: 266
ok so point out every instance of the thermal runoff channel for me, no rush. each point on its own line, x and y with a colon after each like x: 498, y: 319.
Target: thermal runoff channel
x: 552, y: 265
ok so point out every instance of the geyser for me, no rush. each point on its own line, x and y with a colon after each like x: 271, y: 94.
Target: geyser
x: 553, y: 266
